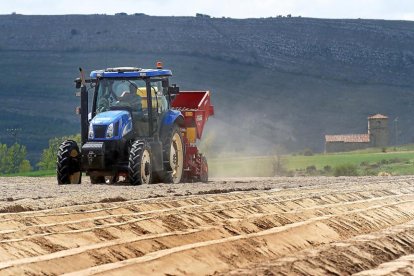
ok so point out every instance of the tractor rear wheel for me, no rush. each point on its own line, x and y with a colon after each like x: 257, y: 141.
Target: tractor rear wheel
x: 173, y: 149
x: 139, y: 165
x: 68, y: 163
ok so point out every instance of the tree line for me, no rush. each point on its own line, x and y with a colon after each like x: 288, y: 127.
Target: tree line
x: 13, y: 159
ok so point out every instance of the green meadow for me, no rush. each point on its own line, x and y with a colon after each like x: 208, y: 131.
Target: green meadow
x: 395, y: 161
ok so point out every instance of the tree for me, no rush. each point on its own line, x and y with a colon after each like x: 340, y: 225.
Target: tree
x: 3, y: 156
x: 48, y: 158
x: 13, y: 159
x: 25, y: 166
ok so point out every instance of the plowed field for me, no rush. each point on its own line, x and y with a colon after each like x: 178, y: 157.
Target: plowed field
x: 250, y: 226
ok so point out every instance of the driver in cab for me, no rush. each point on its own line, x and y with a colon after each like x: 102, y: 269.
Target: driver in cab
x: 130, y: 99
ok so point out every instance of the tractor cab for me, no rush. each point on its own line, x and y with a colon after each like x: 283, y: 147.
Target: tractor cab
x: 142, y: 94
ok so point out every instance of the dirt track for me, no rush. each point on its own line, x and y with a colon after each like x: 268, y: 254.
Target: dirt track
x: 229, y: 226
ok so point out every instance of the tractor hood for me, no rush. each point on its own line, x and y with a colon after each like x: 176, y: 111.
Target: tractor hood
x: 105, y: 118
x: 110, y: 125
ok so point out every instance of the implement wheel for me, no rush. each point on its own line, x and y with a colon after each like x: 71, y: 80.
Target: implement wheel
x: 139, y: 166
x: 173, y: 148
x: 204, y: 170
x: 68, y: 163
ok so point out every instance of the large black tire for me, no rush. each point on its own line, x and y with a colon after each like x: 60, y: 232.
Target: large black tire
x: 68, y: 163
x: 139, y: 165
x: 173, y: 154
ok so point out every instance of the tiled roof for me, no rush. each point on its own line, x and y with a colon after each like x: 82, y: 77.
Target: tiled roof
x: 378, y: 116
x: 348, y: 138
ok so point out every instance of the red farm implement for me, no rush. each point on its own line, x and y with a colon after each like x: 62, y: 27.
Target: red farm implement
x: 196, y: 108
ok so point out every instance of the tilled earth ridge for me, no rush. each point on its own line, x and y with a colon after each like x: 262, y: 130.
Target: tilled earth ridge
x: 243, y: 226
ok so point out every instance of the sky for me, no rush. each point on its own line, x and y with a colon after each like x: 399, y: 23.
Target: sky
x: 367, y: 9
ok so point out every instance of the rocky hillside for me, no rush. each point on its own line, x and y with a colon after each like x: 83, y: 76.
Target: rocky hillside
x: 282, y: 81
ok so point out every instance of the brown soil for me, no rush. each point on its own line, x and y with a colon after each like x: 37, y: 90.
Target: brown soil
x: 254, y: 226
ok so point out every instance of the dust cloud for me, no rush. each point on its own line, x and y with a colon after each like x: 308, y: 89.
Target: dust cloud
x: 249, y: 144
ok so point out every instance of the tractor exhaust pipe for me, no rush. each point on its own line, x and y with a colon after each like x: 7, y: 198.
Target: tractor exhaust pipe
x: 84, y: 108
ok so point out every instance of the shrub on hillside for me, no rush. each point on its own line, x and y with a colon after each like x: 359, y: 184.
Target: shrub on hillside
x: 346, y: 170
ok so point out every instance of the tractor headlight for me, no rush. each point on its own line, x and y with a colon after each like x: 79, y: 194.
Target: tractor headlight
x: 110, y: 131
x: 90, y: 132
x: 127, y: 129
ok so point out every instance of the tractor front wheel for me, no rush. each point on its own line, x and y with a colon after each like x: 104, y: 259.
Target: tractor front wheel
x: 139, y: 166
x: 68, y: 163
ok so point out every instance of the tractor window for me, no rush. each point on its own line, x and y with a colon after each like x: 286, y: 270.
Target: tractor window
x: 160, y: 96
x: 119, y: 93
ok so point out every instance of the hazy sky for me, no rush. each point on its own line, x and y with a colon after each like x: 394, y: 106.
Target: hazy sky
x: 380, y: 9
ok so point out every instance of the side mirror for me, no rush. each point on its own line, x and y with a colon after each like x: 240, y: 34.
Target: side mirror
x: 173, y: 90
x: 78, y: 83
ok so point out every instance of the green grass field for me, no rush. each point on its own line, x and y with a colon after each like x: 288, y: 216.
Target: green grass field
x: 319, y: 161
x: 396, y: 161
x: 33, y: 174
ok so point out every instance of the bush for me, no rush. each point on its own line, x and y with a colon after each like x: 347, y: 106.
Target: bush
x: 370, y: 172
x: 327, y: 169
x: 384, y: 150
x: 311, y: 169
x: 374, y: 166
x: 346, y: 170
x: 307, y: 152
x: 397, y: 160
x: 384, y: 162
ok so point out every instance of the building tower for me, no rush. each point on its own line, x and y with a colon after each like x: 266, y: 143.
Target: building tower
x: 378, y: 130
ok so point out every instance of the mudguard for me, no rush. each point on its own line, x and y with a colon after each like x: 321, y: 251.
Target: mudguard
x: 171, y: 117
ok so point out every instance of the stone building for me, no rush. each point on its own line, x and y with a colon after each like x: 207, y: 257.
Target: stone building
x: 377, y: 136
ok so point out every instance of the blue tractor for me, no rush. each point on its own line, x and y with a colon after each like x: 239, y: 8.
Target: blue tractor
x: 132, y: 130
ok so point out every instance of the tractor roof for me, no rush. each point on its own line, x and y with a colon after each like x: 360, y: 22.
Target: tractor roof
x: 129, y: 72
